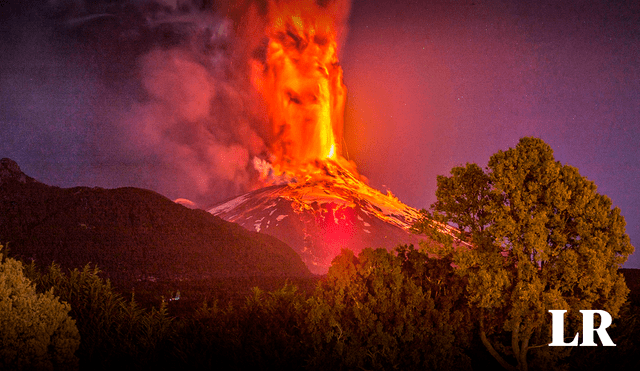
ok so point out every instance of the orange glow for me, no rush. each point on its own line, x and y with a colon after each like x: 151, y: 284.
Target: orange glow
x: 301, y: 82
x: 332, y: 151
x: 298, y: 75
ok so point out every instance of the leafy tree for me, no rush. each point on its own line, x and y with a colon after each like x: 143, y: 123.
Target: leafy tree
x: 273, y: 330
x: 268, y: 332
x: 36, y: 331
x: 116, y: 333
x: 382, y: 311
x: 542, y: 238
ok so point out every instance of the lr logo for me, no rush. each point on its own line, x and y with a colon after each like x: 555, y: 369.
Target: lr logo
x: 557, y: 325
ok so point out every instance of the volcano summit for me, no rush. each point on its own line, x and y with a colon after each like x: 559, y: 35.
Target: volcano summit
x: 323, y: 212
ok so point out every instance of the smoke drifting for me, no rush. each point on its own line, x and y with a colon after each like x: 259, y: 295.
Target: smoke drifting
x: 138, y: 93
x: 195, y: 119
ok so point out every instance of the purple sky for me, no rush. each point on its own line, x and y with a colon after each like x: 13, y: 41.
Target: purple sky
x: 432, y: 85
x: 436, y: 85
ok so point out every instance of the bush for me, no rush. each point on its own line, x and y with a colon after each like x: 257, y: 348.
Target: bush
x: 116, y: 333
x: 36, y: 331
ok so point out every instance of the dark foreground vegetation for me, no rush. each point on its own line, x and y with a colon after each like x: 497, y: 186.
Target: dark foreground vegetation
x: 376, y: 311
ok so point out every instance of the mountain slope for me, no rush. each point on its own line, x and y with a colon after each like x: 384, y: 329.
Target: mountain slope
x: 322, y: 212
x: 131, y: 233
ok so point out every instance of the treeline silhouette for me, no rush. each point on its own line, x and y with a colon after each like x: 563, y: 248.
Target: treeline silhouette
x: 379, y: 310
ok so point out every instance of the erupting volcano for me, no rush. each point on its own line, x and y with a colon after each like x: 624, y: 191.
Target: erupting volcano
x: 313, y: 198
x: 324, y: 211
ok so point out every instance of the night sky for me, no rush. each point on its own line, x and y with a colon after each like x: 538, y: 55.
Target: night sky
x: 106, y: 101
x: 438, y: 85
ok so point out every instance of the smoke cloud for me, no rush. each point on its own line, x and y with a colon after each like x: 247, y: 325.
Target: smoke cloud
x: 152, y: 94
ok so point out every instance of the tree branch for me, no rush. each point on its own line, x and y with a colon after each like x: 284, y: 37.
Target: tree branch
x: 522, y: 357
x: 492, y: 351
x: 515, y: 341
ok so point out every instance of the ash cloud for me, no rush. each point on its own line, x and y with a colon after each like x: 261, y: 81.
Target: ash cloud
x: 152, y: 94
x: 197, y: 116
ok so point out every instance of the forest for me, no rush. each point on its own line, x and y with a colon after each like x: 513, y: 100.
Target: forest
x: 378, y: 310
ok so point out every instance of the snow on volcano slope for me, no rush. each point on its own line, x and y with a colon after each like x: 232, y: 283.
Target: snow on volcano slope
x: 322, y: 214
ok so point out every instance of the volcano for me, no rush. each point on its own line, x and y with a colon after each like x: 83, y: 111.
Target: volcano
x: 318, y: 204
x: 323, y: 211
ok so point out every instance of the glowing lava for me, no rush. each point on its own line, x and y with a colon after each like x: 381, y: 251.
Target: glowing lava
x: 301, y: 81
x: 325, y: 210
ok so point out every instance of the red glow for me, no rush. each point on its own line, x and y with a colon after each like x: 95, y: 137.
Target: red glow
x: 338, y: 227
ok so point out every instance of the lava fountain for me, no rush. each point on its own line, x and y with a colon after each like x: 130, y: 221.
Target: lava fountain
x: 301, y: 82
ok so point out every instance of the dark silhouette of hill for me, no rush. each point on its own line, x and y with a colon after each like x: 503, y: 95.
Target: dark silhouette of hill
x: 131, y: 233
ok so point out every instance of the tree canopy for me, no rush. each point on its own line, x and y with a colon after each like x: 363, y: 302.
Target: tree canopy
x: 541, y: 238
x: 382, y: 311
x: 36, y: 331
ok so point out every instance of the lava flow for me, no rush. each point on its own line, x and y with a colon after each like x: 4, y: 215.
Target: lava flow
x: 321, y: 212
x: 301, y: 81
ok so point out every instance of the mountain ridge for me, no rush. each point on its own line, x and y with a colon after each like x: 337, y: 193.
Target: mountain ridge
x: 131, y: 233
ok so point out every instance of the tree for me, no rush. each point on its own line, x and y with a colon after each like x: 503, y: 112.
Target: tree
x: 36, y: 331
x: 385, y: 311
x: 116, y: 333
x: 272, y: 330
x: 542, y: 238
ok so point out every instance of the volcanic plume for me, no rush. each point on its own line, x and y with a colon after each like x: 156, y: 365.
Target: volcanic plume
x: 315, y: 200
